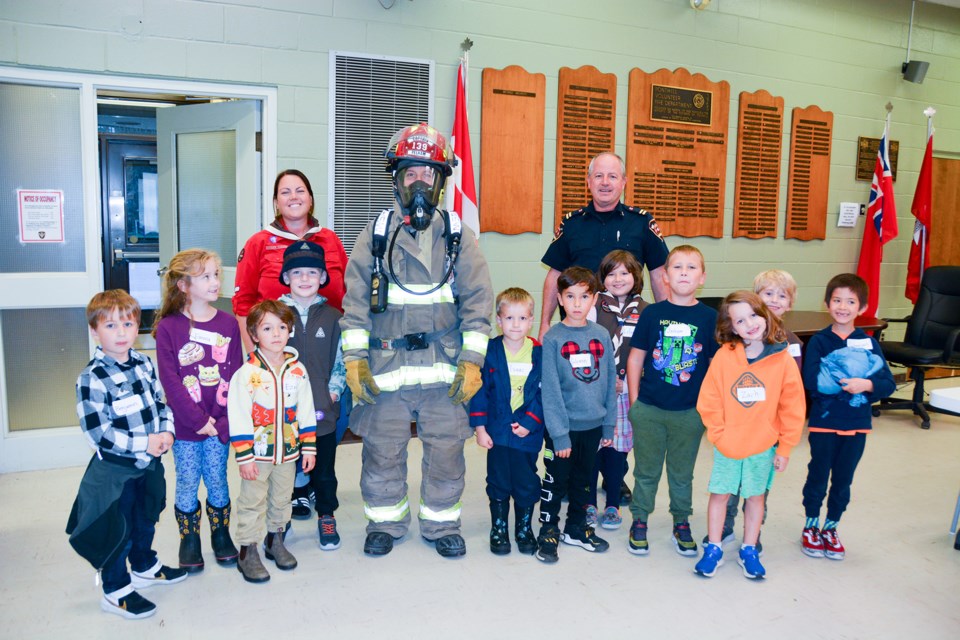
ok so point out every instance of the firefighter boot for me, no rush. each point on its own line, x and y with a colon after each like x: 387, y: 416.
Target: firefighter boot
x: 499, y: 538
x: 191, y: 559
x: 223, y: 548
x: 526, y: 541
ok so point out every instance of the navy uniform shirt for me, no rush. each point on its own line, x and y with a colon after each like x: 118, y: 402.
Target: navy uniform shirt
x: 585, y: 236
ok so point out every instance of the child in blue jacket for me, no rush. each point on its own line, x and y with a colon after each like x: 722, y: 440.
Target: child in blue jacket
x: 507, y: 415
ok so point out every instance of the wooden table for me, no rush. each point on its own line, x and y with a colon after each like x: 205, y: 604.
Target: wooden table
x: 807, y: 323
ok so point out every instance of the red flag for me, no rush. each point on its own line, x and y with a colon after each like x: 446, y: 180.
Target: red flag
x: 922, y: 205
x: 464, y: 191
x: 881, y: 224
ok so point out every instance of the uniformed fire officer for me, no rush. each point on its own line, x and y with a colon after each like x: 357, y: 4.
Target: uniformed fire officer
x: 415, y: 328
x: 585, y: 236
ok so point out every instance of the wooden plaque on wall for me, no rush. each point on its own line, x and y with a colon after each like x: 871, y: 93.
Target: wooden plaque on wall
x: 677, y: 150
x: 810, y: 139
x: 511, y: 150
x: 756, y: 197
x: 586, y: 126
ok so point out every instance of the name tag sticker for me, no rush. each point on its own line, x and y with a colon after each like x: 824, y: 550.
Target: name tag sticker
x: 128, y: 405
x: 581, y: 360
x: 860, y: 343
x: 520, y: 368
x: 203, y: 337
x: 627, y: 330
x: 290, y: 385
x: 794, y: 350
x: 751, y: 394
x: 677, y: 330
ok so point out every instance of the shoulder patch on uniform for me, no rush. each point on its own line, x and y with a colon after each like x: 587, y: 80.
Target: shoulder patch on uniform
x: 655, y: 229
x: 563, y: 220
x: 240, y: 257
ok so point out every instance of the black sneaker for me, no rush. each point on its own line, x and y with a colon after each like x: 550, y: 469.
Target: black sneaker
x: 154, y: 576
x: 626, y: 495
x: 638, y: 538
x: 300, y: 508
x: 683, y: 539
x: 327, y: 529
x: 131, y: 606
x: 586, y: 538
x: 547, y: 545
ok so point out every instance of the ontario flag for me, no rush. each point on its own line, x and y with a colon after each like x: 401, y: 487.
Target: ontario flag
x: 881, y: 223
x: 464, y: 191
x: 922, y: 205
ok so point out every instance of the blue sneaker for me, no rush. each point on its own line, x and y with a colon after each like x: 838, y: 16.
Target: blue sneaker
x: 750, y: 561
x: 712, y: 558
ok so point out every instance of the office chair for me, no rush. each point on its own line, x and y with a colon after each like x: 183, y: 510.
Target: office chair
x: 932, y: 338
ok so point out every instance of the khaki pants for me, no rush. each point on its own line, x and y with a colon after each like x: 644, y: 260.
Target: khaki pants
x: 264, y: 504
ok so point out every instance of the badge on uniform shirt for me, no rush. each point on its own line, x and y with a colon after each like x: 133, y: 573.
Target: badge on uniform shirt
x: 128, y: 405
x: 677, y: 330
x: 793, y: 350
x: 203, y: 337
x: 519, y: 368
x: 860, y: 343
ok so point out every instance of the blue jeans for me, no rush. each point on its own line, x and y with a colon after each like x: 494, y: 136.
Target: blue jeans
x: 138, y: 546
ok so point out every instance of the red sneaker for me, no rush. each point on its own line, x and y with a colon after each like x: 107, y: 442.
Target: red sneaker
x: 811, y: 543
x: 832, y: 547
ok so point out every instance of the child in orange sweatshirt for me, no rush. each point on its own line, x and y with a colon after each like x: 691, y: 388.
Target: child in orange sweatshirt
x: 753, y: 406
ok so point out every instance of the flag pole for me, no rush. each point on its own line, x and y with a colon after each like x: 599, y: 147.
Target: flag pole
x: 929, y: 112
x: 465, y: 47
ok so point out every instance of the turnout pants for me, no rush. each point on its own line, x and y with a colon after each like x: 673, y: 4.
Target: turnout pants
x: 443, y: 428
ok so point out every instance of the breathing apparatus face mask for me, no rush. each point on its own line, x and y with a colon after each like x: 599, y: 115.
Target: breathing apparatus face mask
x: 418, y: 191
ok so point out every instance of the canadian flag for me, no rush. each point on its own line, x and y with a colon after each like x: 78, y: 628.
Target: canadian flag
x: 462, y: 192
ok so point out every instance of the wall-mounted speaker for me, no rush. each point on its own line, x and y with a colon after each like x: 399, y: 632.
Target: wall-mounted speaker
x: 915, y: 70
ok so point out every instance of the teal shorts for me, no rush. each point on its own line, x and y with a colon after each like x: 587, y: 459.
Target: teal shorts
x: 751, y: 476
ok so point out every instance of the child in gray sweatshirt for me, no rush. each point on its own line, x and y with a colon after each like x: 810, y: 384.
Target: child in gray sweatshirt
x: 579, y: 394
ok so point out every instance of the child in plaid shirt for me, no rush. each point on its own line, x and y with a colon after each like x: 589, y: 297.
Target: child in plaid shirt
x: 123, y: 416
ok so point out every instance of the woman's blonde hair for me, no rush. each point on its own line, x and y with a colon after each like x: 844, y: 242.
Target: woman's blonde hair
x: 182, y: 268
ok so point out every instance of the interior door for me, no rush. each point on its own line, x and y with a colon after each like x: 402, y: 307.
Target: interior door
x: 945, y: 232
x: 208, y: 180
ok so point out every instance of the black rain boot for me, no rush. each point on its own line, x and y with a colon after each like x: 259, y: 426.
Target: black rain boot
x: 191, y: 560
x: 223, y: 547
x: 526, y: 541
x: 499, y: 537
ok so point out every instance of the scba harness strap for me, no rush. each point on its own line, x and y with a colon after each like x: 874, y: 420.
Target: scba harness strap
x: 452, y: 233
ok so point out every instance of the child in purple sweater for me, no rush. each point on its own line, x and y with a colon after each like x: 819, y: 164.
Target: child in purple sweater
x: 198, y: 351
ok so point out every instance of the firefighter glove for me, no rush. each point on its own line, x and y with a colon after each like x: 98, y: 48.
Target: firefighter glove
x: 361, y: 381
x: 466, y: 383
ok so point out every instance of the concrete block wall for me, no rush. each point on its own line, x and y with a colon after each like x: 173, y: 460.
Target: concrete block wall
x: 842, y: 55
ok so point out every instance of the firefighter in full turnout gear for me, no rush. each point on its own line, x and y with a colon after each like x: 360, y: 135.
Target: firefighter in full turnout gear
x: 415, y: 328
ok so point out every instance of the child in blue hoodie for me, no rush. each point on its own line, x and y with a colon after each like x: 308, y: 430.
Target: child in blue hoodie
x: 508, y: 418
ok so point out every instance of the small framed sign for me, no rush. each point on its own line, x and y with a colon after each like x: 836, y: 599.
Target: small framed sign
x: 867, y: 149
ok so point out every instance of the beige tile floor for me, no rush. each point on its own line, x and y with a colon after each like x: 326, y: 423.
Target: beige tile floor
x: 901, y: 577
